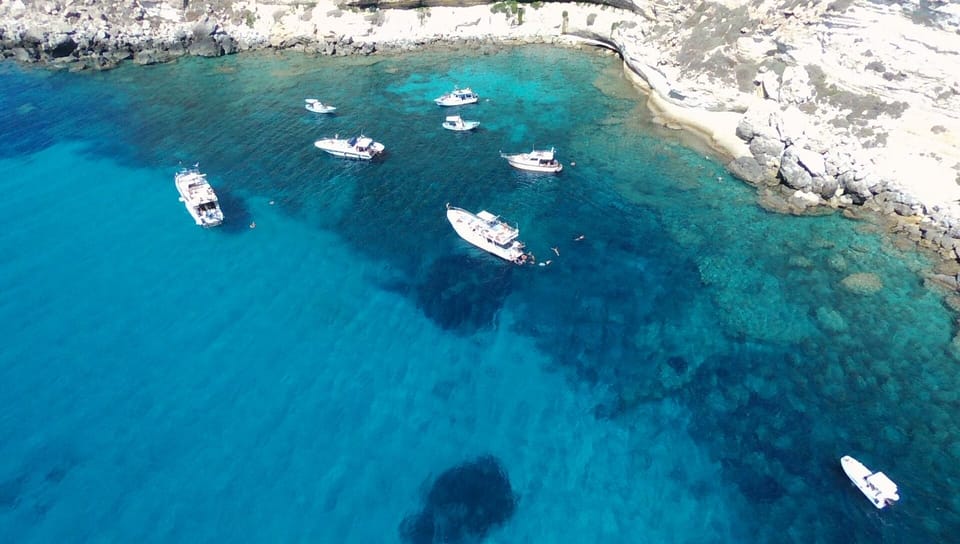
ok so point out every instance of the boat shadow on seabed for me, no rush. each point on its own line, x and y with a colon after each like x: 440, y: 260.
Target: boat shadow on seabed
x: 236, y: 214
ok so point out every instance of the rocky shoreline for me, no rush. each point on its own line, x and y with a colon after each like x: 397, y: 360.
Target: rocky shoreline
x: 851, y: 106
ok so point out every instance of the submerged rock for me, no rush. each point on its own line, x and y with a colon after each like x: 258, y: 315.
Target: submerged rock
x: 862, y: 283
x: 463, y: 505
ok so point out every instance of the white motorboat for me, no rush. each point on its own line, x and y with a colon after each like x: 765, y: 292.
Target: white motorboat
x: 489, y: 233
x: 198, y: 196
x: 359, y: 147
x: 458, y: 97
x: 316, y: 106
x: 875, y: 485
x: 455, y: 122
x: 534, y: 161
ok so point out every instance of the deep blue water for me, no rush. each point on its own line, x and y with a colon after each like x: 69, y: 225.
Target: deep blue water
x: 351, y: 371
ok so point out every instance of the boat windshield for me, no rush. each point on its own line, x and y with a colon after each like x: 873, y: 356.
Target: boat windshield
x: 352, y: 141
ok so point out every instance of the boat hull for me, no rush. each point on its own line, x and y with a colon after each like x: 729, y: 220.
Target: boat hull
x: 316, y: 106
x: 324, y: 109
x: 449, y: 102
x: 465, y: 126
x: 520, y: 164
x: 337, y: 148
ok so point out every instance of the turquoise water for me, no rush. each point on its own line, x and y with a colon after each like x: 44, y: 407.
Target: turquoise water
x: 351, y: 371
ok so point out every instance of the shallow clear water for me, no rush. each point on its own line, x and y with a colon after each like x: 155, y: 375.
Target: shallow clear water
x: 691, y: 371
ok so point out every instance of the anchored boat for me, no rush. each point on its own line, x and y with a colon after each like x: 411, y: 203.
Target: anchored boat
x: 534, y: 161
x: 359, y: 147
x: 316, y: 106
x: 489, y: 233
x: 875, y: 485
x: 455, y: 122
x: 198, y: 196
x: 458, y: 97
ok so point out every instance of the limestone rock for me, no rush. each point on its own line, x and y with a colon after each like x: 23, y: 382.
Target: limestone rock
x: 812, y: 161
x: 747, y: 169
x: 862, y: 283
x: 768, y: 153
x: 793, y: 125
x: 794, y: 175
x: 795, y: 87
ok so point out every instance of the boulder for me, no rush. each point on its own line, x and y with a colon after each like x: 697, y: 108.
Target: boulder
x: 853, y: 187
x: 747, y: 169
x: 768, y: 153
x: 811, y: 160
x: 206, y: 46
x: 762, y: 117
x: 151, y: 56
x: 804, y: 199
x: 22, y: 54
x: 227, y: 44
x: 202, y: 40
x: 826, y: 186
x: 793, y: 174
x: 795, y: 87
x: 745, y: 130
x: 793, y: 125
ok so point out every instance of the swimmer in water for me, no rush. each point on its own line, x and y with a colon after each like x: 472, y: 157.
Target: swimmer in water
x: 556, y: 250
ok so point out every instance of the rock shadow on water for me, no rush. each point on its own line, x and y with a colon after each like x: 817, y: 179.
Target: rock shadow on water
x: 463, y: 293
x: 464, y: 504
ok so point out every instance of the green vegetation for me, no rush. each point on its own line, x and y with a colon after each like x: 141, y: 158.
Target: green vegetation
x: 249, y: 18
x: 375, y: 18
x: 423, y: 14
x: 508, y: 8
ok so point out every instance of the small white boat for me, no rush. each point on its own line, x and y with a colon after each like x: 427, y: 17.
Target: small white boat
x: 455, y: 122
x: 489, y: 233
x: 534, y: 161
x: 875, y: 485
x: 316, y: 106
x: 359, y: 147
x: 458, y: 97
x: 198, y: 196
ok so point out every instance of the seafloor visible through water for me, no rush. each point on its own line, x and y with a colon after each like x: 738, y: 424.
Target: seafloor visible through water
x: 350, y: 370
